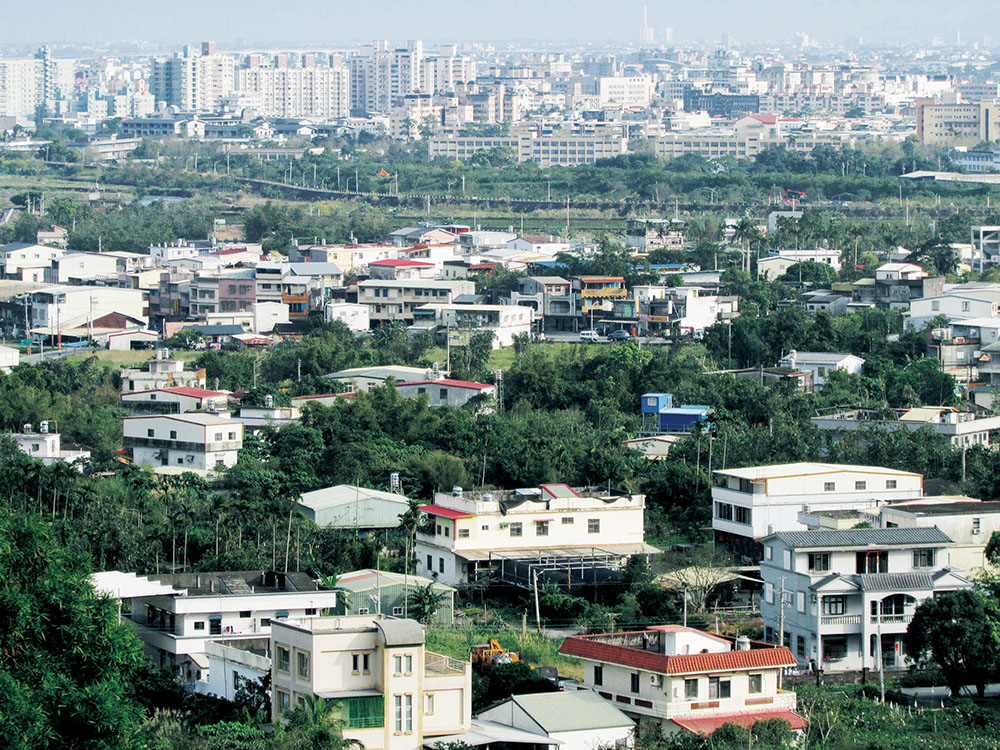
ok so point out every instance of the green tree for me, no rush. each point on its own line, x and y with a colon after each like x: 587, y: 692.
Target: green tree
x: 66, y: 664
x: 423, y: 602
x: 959, y: 631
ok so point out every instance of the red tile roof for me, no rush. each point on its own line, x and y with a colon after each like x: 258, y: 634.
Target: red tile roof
x: 449, y: 382
x: 182, y: 390
x: 399, y: 263
x: 725, y: 661
x: 705, y: 725
x: 440, y: 510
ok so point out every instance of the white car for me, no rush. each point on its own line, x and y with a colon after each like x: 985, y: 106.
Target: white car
x: 590, y: 335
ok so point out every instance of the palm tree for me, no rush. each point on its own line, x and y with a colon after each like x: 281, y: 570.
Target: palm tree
x: 409, y: 522
x: 423, y: 602
x: 315, y: 724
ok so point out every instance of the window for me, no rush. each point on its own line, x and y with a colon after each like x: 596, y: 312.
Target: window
x: 819, y: 561
x: 742, y: 515
x: 976, y: 525
x: 173, y: 434
x: 598, y: 674
x: 440, y: 565
x: 768, y: 552
x: 408, y: 702
x: 634, y: 684
x: 800, y: 601
x: 310, y: 611
x: 265, y: 622
x: 430, y: 563
x: 890, y: 484
x: 408, y: 662
x: 150, y: 432
x: 834, y: 605
x: 515, y: 529
x: 829, y: 486
x: 800, y: 646
x: 363, y: 610
x: 872, y: 561
x: 284, y: 701
x: 232, y: 435
x: 463, y: 533
x: 835, y: 647
x: 246, y: 613
x: 755, y: 684
x: 769, y: 592
x: 691, y: 689
x: 923, y: 558
x: 397, y: 701
x: 200, y: 625
x: 718, y: 688
x: 443, y: 394
x: 218, y: 436
x: 859, y: 485
x: 724, y: 511
x: 284, y: 657
x: 593, y: 525
x: 302, y: 664
x: 428, y: 703
x: 567, y: 521
x: 541, y: 528
x: 397, y: 664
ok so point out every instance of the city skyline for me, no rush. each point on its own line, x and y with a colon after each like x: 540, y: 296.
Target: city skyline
x: 314, y: 22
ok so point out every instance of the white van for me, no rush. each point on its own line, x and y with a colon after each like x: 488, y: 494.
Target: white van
x: 590, y: 335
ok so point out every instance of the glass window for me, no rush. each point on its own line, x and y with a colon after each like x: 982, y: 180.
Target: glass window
x: 463, y: 533
x: 408, y: 663
x: 200, y: 625
x: 302, y: 664
x: 541, y: 528
x: 718, y: 688
x: 567, y: 520
x: 691, y: 689
x: 819, y: 561
x: 408, y: 700
x: 284, y: 657
x: 834, y: 605
x: 428, y: 703
x: 598, y: 674
x: 284, y: 701
x: 397, y: 701
x: 890, y: 484
x: 859, y: 485
x: 923, y: 558
x: 593, y: 525
x: 515, y: 529
x: 755, y: 684
x: 634, y: 686
x: 829, y: 486
x: 397, y: 662
x: 742, y: 515
x: 397, y: 611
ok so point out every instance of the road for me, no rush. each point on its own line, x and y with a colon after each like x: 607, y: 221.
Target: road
x: 568, y: 337
x: 34, y: 359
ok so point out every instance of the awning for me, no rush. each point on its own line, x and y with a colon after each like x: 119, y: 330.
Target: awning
x: 705, y: 725
x: 440, y: 510
x: 200, y: 660
x: 533, y: 553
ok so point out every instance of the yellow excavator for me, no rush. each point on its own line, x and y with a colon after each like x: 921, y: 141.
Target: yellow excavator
x: 486, y: 655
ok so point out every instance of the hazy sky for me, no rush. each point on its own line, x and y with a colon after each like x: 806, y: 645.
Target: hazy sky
x: 330, y: 21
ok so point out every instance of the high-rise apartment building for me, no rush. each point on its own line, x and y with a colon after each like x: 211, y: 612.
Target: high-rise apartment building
x: 192, y: 81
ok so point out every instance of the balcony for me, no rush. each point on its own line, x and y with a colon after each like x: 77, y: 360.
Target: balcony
x: 887, y: 619
x: 841, y: 620
x: 130, y: 441
x: 609, y: 292
x: 439, y: 664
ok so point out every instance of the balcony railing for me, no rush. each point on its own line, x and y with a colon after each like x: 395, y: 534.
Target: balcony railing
x: 130, y: 441
x: 841, y: 620
x: 441, y: 664
x: 892, y: 619
x: 365, y: 722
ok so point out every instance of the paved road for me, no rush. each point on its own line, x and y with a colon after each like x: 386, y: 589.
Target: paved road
x: 34, y: 359
x: 574, y: 338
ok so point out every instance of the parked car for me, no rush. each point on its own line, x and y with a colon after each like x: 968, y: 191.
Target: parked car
x: 589, y: 335
x: 620, y: 335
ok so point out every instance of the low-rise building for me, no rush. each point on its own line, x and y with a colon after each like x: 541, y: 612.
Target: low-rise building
x: 461, y: 320
x: 682, y: 679
x: 391, y: 692
x: 576, y: 719
x: 175, y: 400
x: 192, y: 441
x: 176, y: 627
x: 752, y: 502
x: 9, y: 359
x: 506, y: 533
x: 353, y: 508
x: 659, y: 414
x: 822, y: 364
x: 46, y: 446
x: 366, y: 378
x: 842, y: 600
x: 161, y: 372
x: 963, y: 429
x: 445, y: 391
x: 396, y: 300
x: 379, y: 592
x: 552, y: 300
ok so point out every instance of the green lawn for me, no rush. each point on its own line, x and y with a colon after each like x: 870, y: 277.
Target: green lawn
x: 532, y: 648
x: 131, y: 358
x: 500, y: 359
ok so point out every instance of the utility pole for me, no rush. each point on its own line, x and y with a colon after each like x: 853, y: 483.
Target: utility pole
x: 881, y: 661
x: 685, y: 607
x: 538, y: 613
x: 298, y: 370
x: 781, y: 614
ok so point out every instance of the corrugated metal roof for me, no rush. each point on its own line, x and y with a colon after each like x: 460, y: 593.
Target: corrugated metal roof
x: 861, y: 537
x: 571, y: 712
x: 897, y: 581
x: 705, y: 725
x: 345, y: 506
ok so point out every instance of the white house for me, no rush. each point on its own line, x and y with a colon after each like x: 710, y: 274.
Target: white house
x: 344, y: 506
x: 822, y: 364
x: 46, y: 446
x: 445, y: 391
x: 365, y: 378
x: 27, y: 262
x: 175, y: 400
x: 752, y: 502
x: 842, y: 600
x: 682, y: 679
x: 391, y: 692
x: 504, y: 532
x: 176, y: 627
x: 968, y: 523
x: 505, y: 321
x: 537, y: 245
x: 9, y: 358
x: 353, y: 316
x: 963, y: 429
x: 193, y: 441
x: 577, y: 719
x: 76, y: 267
x: 963, y: 302
x: 161, y: 372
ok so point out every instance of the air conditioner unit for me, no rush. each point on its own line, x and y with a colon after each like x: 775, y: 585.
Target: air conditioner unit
x: 656, y: 680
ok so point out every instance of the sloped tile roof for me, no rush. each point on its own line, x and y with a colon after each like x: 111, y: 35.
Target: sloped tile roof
x: 894, y: 581
x: 862, y: 537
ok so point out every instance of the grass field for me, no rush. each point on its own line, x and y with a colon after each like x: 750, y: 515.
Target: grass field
x: 131, y: 358
x: 500, y: 359
x: 532, y: 648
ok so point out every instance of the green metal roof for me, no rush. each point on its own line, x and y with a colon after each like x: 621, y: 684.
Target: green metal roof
x: 571, y: 711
